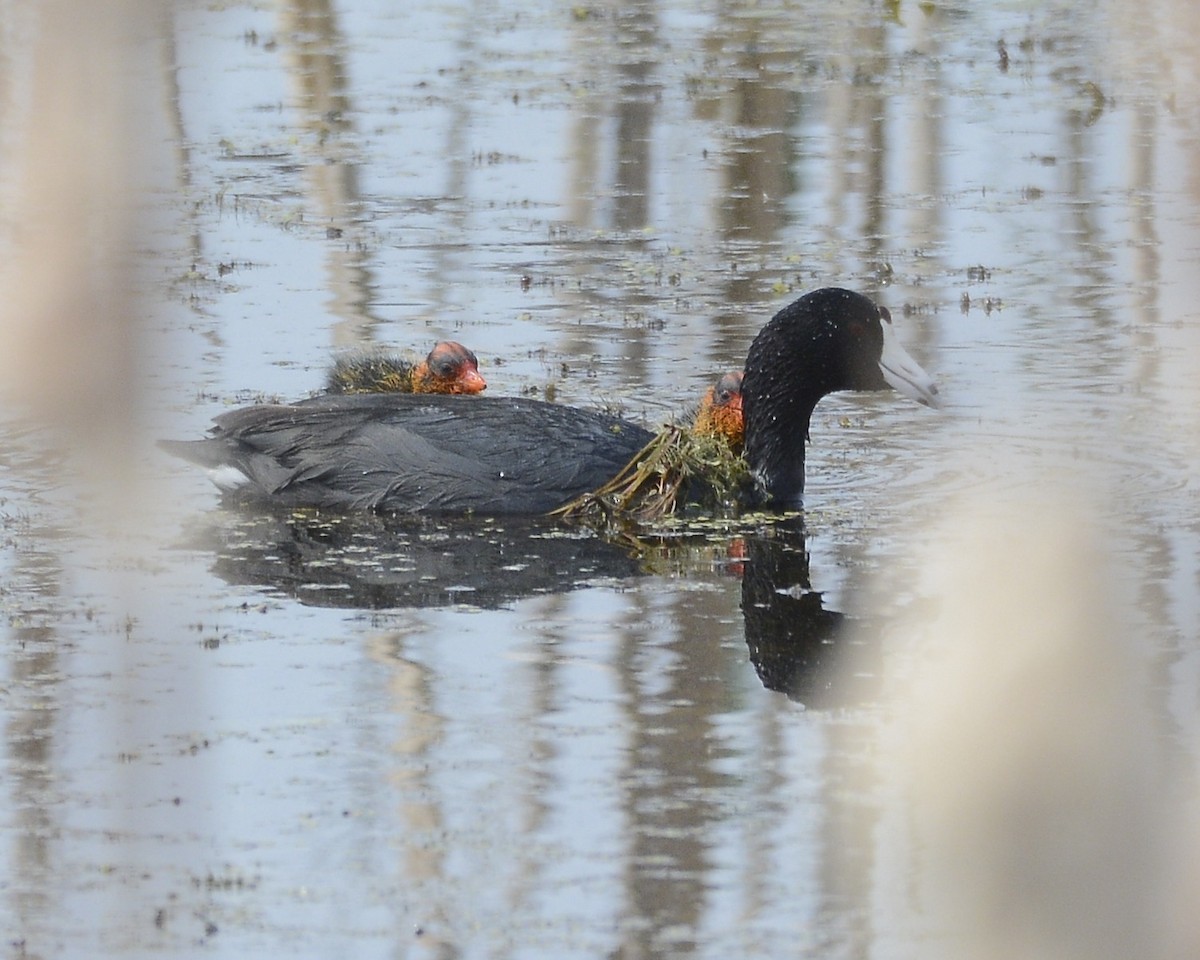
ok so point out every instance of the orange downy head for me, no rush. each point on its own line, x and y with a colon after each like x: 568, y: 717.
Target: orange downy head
x: 720, y: 413
x: 449, y: 368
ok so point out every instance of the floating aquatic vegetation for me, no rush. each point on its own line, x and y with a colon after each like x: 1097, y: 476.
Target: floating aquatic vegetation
x: 677, y: 467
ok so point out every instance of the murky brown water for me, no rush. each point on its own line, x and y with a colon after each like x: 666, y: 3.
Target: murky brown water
x: 246, y: 735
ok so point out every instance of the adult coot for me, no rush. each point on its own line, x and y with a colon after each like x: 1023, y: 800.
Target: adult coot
x: 410, y: 453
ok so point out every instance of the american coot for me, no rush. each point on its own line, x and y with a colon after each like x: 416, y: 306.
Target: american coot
x: 394, y: 452
x: 449, y: 368
x: 828, y: 340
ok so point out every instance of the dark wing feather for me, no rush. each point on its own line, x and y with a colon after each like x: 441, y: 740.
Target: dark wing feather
x: 419, y: 453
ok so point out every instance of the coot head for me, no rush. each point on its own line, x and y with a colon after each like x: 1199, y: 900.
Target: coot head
x: 449, y: 368
x: 828, y: 340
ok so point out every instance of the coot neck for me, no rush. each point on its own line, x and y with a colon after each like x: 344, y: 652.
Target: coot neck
x: 777, y: 423
x: 795, y: 360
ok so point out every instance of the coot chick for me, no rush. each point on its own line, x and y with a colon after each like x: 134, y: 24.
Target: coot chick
x: 505, y: 455
x: 720, y: 412
x: 449, y: 368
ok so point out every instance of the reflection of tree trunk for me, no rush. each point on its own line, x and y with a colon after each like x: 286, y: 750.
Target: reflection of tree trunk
x: 758, y: 171
x: 760, y: 110
x: 852, y: 813
x: 919, y: 148
x: 32, y: 709
x: 671, y: 777
x: 414, y: 755
x: 635, y: 116
x: 318, y: 70
x: 858, y: 110
x: 617, y: 198
x: 178, y: 140
x: 634, y: 66
x: 1152, y: 383
x: 449, y: 258
x: 1099, y: 271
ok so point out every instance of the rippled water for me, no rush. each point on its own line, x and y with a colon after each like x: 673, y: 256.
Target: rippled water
x: 239, y: 734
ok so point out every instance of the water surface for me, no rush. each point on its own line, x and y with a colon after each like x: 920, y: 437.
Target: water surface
x: 240, y: 734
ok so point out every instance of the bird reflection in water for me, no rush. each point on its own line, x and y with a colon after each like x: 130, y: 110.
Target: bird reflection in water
x: 797, y: 646
x: 376, y: 562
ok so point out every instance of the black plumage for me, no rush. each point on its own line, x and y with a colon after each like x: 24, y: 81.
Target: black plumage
x: 411, y: 453
x: 828, y: 340
x: 414, y: 453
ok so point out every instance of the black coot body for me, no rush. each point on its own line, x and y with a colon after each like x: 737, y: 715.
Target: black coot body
x: 410, y: 453
x: 490, y: 455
